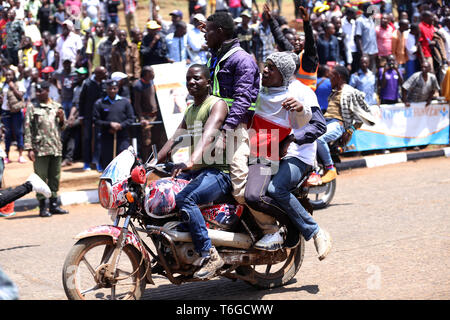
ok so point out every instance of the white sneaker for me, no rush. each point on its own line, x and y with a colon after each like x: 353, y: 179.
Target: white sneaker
x: 270, y: 242
x: 322, y: 242
x: 39, y: 185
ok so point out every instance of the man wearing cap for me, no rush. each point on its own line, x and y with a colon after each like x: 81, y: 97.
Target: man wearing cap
x: 44, y: 122
x: 68, y: 44
x: 177, y: 44
x: 124, y: 85
x: 176, y: 16
x: 244, y: 32
x: 197, y: 47
x: 113, y: 115
x: 153, y: 47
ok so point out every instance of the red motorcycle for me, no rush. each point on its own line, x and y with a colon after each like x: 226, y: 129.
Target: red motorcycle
x: 113, y: 261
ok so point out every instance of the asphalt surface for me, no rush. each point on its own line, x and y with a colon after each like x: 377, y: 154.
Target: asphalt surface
x: 390, y: 229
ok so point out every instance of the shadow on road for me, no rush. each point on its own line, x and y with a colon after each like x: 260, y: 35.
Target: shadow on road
x: 218, y: 289
x: 20, y: 247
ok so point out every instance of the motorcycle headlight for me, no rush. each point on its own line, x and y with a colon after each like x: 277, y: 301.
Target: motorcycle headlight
x: 105, y: 194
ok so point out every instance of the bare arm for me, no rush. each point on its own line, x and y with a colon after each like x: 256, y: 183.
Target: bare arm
x: 212, y: 126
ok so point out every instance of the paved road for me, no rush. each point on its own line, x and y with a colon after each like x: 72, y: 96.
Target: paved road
x: 390, y: 227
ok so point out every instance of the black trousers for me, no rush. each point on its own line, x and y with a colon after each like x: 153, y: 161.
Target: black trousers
x: 256, y: 197
x: 12, y: 194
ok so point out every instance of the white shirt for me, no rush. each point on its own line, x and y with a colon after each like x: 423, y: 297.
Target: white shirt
x: 68, y: 48
x: 195, y: 41
x: 92, y: 7
x: 348, y: 27
x: 411, y: 47
x: 306, y: 152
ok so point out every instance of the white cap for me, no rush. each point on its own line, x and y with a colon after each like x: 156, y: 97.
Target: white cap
x: 117, y: 76
x: 69, y: 24
x: 199, y: 17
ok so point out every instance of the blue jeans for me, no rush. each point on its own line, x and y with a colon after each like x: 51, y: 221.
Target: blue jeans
x: 209, y: 185
x: 235, y: 12
x: 412, y: 66
x: 13, y: 123
x: 334, y: 131
x: 288, y: 176
x: 67, y: 105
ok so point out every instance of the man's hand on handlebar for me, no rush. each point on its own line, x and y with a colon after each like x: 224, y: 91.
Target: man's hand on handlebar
x: 180, y: 167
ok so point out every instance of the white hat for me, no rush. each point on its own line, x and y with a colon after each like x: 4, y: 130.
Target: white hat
x: 117, y: 76
x: 69, y: 24
x: 199, y: 17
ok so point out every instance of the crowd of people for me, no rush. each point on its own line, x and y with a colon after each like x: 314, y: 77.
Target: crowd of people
x: 76, y: 45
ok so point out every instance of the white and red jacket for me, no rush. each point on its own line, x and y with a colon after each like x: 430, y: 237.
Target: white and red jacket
x: 272, y: 123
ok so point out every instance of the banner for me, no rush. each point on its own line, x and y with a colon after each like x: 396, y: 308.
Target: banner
x: 399, y: 126
x: 170, y: 85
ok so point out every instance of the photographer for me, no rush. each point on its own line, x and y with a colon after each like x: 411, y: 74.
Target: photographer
x: 390, y: 80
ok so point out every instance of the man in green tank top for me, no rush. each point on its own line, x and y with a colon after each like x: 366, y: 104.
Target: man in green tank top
x: 210, y: 173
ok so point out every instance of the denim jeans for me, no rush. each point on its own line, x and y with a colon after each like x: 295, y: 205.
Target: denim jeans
x: 412, y: 66
x: 209, y: 185
x: 67, y: 105
x: 334, y: 131
x: 288, y: 176
x: 13, y: 124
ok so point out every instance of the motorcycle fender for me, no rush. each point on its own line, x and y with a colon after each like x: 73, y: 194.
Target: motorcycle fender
x: 114, y: 233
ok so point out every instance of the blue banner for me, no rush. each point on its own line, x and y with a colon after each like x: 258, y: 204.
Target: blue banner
x: 399, y: 126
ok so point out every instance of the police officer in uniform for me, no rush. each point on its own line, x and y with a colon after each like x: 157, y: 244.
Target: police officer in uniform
x: 113, y: 115
x: 44, y: 121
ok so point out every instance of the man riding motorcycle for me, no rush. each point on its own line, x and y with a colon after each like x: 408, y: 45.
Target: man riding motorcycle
x: 202, y: 122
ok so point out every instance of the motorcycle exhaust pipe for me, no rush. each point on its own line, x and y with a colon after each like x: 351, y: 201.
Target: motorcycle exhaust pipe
x: 218, y: 238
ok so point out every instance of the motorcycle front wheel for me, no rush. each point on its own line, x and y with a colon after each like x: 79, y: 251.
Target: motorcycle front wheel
x: 272, y: 276
x: 84, y: 277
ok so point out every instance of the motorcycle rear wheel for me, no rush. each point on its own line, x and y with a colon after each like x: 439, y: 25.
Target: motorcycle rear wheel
x: 272, y: 276
x: 323, y: 194
x: 82, y: 281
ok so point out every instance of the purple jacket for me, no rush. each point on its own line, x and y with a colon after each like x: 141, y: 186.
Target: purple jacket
x: 239, y: 80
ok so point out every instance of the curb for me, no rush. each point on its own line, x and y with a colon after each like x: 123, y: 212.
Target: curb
x: 91, y: 196
x: 384, y: 159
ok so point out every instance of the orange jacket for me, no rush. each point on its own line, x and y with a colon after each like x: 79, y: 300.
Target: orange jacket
x: 309, y: 79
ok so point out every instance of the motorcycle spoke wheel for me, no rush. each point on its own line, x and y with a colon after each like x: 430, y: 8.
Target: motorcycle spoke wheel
x: 83, y: 272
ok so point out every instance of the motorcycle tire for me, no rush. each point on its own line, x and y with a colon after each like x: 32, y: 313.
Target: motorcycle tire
x: 263, y: 277
x: 327, y: 195
x: 95, y: 249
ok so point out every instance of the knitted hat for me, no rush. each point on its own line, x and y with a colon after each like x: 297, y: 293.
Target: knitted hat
x: 285, y: 64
